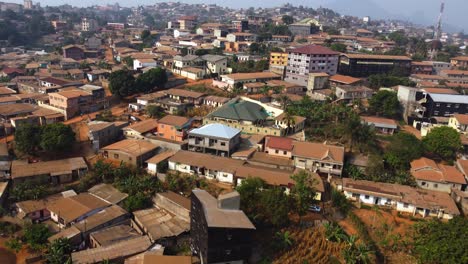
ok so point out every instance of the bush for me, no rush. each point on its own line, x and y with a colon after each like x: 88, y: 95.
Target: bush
x: 339, y: 201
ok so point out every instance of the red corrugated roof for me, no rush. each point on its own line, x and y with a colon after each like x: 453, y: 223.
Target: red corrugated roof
x: 279, y: 143
x: 314, y: 49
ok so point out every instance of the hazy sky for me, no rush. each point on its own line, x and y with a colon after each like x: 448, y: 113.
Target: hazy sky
x: 420, y: 11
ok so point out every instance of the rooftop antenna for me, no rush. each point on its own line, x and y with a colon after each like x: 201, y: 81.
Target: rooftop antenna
x: 437, y: 33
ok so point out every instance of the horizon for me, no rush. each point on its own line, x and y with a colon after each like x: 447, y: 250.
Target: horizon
x: 421, y: 12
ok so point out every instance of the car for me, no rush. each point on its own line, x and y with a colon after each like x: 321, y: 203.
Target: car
x: 314, y: 208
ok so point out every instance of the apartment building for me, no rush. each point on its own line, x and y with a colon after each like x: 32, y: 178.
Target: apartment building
x: 364, y: 65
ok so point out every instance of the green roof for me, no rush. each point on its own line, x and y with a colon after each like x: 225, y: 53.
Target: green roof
x: 241, y: 110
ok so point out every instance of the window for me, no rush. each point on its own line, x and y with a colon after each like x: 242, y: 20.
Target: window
x: 367, y: 196
x: 405, y: 205
x: 276, y: 151
x: 436, y: 185
x: 223, y: 143
x: 285, y: 152
x: 423, y: 183
x: 116, y: 156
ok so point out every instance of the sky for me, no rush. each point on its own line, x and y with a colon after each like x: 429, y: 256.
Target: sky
x: 418, y: 11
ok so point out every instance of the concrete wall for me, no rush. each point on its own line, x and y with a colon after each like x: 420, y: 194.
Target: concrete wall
x: 169, y: 205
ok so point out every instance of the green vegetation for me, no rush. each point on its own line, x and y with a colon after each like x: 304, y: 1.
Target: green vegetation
x: 383, y: 80
x: 35, y: 235
x: 59, y: 251
x: 155, y: 111
x: 303, y: 192
x: 398, y: 154
x: 442, y: 242
x: 248, y: 66
x: 50, y: 138
x: 14, y: 245
x: 385, y: 103
x: 27, y: 138
x: 442, y: 142
x: 122, y: 82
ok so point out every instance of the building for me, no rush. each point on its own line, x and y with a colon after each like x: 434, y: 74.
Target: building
x: 187, y: 22
x: 215, y: 101
x: 459, y: 122
x: 459, y: 62
x: 219, y: 231
x: 102, y: 133
x: 107, y: 193
x: 174, y: 127
x: 364, y: 65
x: 438, y: 177
x: 28, y: 4
x: 214, y: 138
x: 141, y: 129
x: 317, y: 81
x: 278, y: 58
x: 240, y: 25
x: 318, y: 157
x: 308, y: 59
x: 158, y: 162
x: 422, y: 67
x: 130, y: 151
x: 230, y: 81
x: 241, y: 37
x: 302, y: 29
x: 54, y: 172
x: 73, y: 51
x: 404, y: 199
x: 350, y: 93
x: 88, y: 24
x: 67, y: 211
x: 112, y: 235
x: 214, y: 64
x: 339, y: 79
x: 141, y: 63
x: 435, y: 104
x: 279, y: 146
x: 381, y: 125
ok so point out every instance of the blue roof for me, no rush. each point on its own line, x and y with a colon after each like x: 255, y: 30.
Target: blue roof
x: 216, y: 130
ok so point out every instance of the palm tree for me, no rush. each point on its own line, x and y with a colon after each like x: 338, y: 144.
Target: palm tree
x: 290, y: 121
x: 334, y: 233
x: 356, y: 253
x: 284, y: 239
x: 284, y: 101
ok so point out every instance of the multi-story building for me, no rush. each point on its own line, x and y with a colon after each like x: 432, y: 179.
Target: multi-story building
x: 437, y: 177
x: 318, y: 157
x: 174, y: 127
x: 443, y: 104
x: 88, y: 24
x: 219, y: 231
x: 229, y: 81
x: 459, y: 62
x: 74, y: 52
x: 214, y: 138
x: 28, y: 4
x: 241, y: 25
x: 364, y: 65
x: 459, y: 122
x: 304, y: 27
x: 241, y: 36
x: 349, y: 93
x: 279, y: 58
x: 310, y: 58
x: 422, y: 67
x: 187, y: 22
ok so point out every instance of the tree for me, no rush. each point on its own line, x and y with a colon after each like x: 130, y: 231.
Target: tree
x: 155, y: 111
x: 356, y: 253
x: 57, y: 137
x: 340, y: 201
x: 122, y: 83
x: 385, y: 103
x: 14, y: 245
x: 443, y: 142
x: 399, y: 154
x: 441, y: 242
x: 36, y: 235
x: 334, y: 232
x: 287, y: 19
x: 340, y: 47
x: 137, y: 202
x: 147, y: 81
x: 382, y: 80
x: 274, y: 207
x: 249, y: 191
x: 27, y: 138
x: 59, y: 251
x: 283, y: 240
x: 128, y: 61
x: 303, y: 192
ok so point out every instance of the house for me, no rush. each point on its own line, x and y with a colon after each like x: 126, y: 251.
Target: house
x: 278, y: 58
x: 174, y: 127
x: 155, y: 163
x: 290, y: 125
x: 230, y: 80
x: 8, y: 111
x: 349, y: 93
x: 380, y: 124
x: 174, y: 203
x: 139, y: 129
x: 36, y: 210
x: 279, y: 146
x: 317, y: 81
x: 140, y: 63
x: 67, y: 211
x: 219, y: 231
x: 55, y: 171
x: 318, y: 157
x: 339, y: 79
x: 102, y: 133
x: 364, y: 65
x: 215, y: 64
x: 272, y: 177
x: 107, y: 193
x: 205, y: 165
x: 308, y: 59
x: 302, y: 28
x: 459, y: 122
x: 111, y: 235
x: 11, y: 72
x: 403, y: 198
x: 422, y: 67
x: 73, y: 51
x: 459, y: 62
x: 436, y: 104
x: 130, y: 151
x: 214, y: 138
x: 438, y: 177
x: 192, y: 73
x: 241, y: 37
x: 115, y: 253
x: 69, y: 63
x: 215, y: 101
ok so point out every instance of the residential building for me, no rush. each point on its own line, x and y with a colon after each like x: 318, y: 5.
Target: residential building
x: 215, y: 101
x: 459, y: 62
x: 230, y: 80
x: 174, y: 127
x: 438, y: 177
x: 215, y: 64
x: 279, y: 146
x: 131, y: 151
x: 436, y: 104
x: 403, y: 198
x: 205, y: 165
x: 339, y: 79
x: 302, y: 28
x: 187, y: 22
x: 318, y: 157
x: 241, y: 37
x: 422, y: 67
x: 381, y: 125
x: 278, y: 58
x: 317, y: 81
x: 455, y: 76
x: 214, y: 138
x: 108, y: 193
x: 89, y: 24
x: 364, y: 65
x: 67, y: 211
x: 349, y: 93
x: 143, y: 63
x: 54, y: 172
x: 102, y: 133
x: 219, y: 231
x: 241, y: 25
x: 112, y: 235
x: 459, y: 122
x: 308, y: 59
x: 73, y: 51
x: 158, y: 162
x: 140, y: 129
